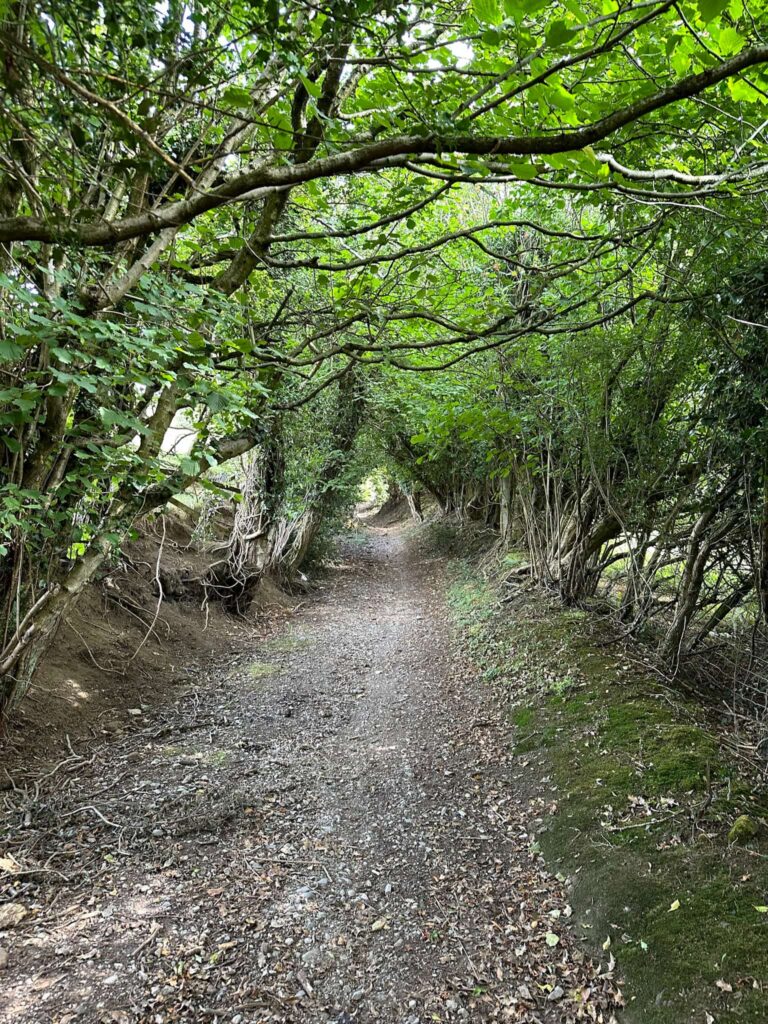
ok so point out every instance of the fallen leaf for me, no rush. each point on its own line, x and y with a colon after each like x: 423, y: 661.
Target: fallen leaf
x: 11, y: 914
x: 551, y: 939
x: 675, y: 905
x: 724, y: 986
x: 9, y: 864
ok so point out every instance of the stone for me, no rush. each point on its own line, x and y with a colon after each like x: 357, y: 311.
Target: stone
x: 742, y: 830
x: 11, y: 914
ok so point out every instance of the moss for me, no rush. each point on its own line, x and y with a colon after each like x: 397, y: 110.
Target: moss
x: 262, y: 669
x: 524, y: 718
x: 513, y: 559
x: 216, y: 758
x: 742, y: 830
x: 286, y: 644
x: 646, y: 798
x: 672, y: 757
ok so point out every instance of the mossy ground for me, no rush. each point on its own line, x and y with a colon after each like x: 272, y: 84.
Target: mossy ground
x: 262, y: 669
x: 285, y: 644
x: 643, y: 795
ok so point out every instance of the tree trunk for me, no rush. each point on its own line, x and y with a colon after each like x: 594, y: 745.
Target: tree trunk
x: 414, y: 505
x: 236, y: 579
x: 506, y: 493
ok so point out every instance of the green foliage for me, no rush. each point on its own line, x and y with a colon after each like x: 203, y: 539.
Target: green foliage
x: 211, y: 218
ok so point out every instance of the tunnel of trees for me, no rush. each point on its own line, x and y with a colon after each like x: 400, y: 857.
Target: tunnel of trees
x: 512, y: 251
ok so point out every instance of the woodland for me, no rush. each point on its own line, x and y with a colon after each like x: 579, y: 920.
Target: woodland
x: 504, y: 264
x: 510, y: 253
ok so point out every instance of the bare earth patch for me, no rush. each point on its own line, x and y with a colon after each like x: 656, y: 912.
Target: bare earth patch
x: 325, y: 829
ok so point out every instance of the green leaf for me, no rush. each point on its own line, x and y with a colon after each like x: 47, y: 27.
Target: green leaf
x: 216, y: 401
x: 741, y: 91
x: 517, y: 8
x: 559, y: 33
x: 63, y: 355
x: 236, y: 97
x: 10, y: 351
x: 313, y: 88
x: 711, y: 9
x: 524, y: 169
x: 114, y: 418
x: 487, y: 12
x: 728, y: 40
x: 560, y: 98
x: 189, y: 466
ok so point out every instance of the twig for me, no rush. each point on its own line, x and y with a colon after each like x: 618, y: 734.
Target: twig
x: 152, y: 933
x: 96, y: 811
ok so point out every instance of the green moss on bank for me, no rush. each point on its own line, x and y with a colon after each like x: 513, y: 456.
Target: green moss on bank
x: 645, y: 798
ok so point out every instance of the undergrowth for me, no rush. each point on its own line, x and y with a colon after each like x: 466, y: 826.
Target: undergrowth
x: 642, y: 792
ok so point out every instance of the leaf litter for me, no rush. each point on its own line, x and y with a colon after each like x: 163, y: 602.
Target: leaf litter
x: 343, y: 846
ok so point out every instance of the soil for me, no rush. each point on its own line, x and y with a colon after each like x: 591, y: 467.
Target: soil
x: 122, y: 648
x: 322, y: 828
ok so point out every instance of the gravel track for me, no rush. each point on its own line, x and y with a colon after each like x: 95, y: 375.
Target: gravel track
x: 325, y: 831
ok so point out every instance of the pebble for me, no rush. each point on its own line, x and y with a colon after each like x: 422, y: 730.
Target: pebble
x: 4, y: 957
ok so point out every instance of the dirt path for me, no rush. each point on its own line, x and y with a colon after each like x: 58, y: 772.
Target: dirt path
x: 325, y: 832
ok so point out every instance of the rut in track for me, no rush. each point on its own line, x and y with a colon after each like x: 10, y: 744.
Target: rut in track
x: 327, y: 830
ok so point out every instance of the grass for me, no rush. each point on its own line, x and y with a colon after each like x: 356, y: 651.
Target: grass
x: 645, y: 797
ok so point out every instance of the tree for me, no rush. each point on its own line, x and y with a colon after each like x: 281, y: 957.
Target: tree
x: 215, y: 216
